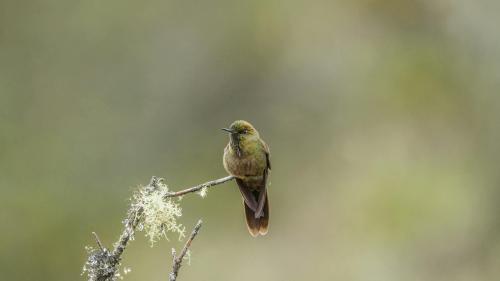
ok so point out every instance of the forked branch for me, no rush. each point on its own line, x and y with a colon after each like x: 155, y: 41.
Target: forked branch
x: 103, y: 264
x: 177, y: 260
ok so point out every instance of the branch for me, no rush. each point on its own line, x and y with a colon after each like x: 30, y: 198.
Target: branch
x: 103, y: 265
x: 177, y: 261
x: 199, y: 187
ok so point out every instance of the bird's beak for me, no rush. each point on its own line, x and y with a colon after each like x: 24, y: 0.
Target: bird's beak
x: 228, y: 130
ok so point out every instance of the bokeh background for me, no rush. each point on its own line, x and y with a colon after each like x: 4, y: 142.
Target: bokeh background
x: 383, y: 120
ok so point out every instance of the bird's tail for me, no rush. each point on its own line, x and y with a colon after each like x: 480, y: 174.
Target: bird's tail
x: 259, y: 225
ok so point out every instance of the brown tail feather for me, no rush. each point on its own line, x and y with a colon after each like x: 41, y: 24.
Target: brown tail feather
x: 253, y: 224
x: 264, y: 221
x: 260, y: 225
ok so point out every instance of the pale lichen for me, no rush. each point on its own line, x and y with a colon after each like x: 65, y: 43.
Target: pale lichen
x: 159, y: 213
x: 203, y: 192
x: 188, y: 257
x: 101, y: 265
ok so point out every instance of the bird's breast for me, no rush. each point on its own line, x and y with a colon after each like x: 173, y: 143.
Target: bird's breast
x: 248, y: 165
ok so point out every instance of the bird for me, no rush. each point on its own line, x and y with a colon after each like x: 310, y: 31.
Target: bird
x: 247, y: 158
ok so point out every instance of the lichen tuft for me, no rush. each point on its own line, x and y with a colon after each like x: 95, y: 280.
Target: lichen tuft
x: 159, y: 213
x: 101, y: 265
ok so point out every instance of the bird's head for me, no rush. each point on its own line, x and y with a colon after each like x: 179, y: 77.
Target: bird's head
x: 241, y: 134
x: 241, y: 128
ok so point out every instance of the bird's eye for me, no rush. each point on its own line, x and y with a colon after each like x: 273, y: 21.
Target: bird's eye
x: 245, y: 131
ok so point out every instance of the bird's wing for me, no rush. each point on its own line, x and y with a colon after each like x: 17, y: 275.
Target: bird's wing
x: 262, y: 198
x: 247, y: 195
x: 268, y: 154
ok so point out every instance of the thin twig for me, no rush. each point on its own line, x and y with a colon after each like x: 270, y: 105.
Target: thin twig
x: 177, y: 260
x: 199, y: 187
x: 98, y: 241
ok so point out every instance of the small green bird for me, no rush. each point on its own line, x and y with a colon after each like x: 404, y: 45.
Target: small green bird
x: 246, y: 157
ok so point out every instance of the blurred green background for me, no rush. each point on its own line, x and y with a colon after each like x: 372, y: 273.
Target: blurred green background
x: 383, y: 120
